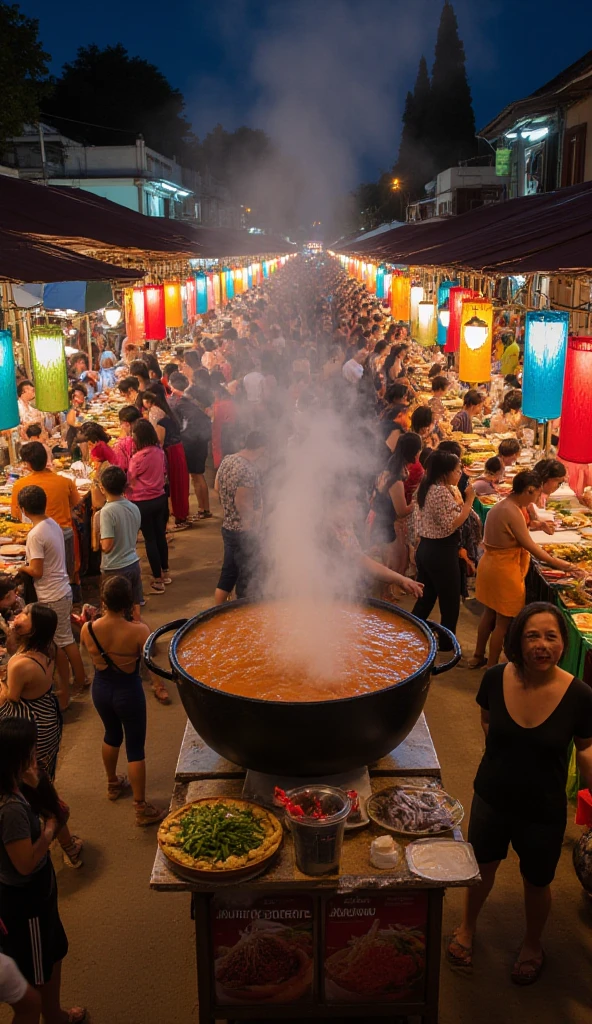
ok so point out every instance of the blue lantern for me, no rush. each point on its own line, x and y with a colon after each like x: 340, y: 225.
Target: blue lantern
x: 9, y: 414
x: 545, y: 349
x: 265, y: 268
x: 250, y: 277
x: 380, y: 281
x: 201, y: 297
x: 443, y: 300
x: 229, y: 283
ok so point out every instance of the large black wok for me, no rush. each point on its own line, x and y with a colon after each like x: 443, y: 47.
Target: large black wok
x: 301, y: 738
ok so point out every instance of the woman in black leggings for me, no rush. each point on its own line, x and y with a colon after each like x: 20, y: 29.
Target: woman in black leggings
x: 146, y: 476
x: 442, y: 511
x: 115, y: 646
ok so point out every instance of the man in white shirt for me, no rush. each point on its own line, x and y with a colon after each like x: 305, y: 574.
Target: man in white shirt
x: 27, y: 411
x: 353, y: 370
x: 253, y: 384
x: 46, y: 565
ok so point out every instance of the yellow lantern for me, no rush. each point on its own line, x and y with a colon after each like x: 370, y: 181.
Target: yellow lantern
x: 475, y: 341
x: 416, y: 296
x: 426, y: 324
x: 216, y: 283
x: 245, y: 273
x: 400, y: 298
x: 173, y: 304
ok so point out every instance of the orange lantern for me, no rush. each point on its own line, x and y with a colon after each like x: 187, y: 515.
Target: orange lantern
x: 173, y: 304
x: 133, y: 304
x: 217, y: 290
x: 223, y: 295
x: 400, y: 293
x: 476, y: 334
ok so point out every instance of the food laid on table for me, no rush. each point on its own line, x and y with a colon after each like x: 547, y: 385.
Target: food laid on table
x: 415, y: 810
x: 583, y: 620
x: 220, y: 837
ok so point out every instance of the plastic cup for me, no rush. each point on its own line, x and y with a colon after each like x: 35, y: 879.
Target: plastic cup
x: 318, y: 841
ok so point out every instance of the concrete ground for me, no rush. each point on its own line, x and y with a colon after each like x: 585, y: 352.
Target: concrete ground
x: 132, y: 957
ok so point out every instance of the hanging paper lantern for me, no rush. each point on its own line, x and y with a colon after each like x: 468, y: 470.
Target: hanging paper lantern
x: 9, y: 413
x: 50, y: 373
x: 400, y: 296
x: 190, y: 298
x: 245, y: 279
x: 444, y: 309
x: 133, y: 305
x: 210, y: 290
x: 250, y: 276
x: 154, y: 318
x: 222, y: 279
x: 416, y: 296
x: 371, y: 278
x: 456, y: 298
x: 201, y: 293
x: 217, y: 289
x: 545, y: 347
x: 229, y: 274
x: 173, y: 304
x: 475, y: 341
x: 265, y: 269
x: 426, y: 324
x: 238, y: 280
x: 575, y: 436
x: 388, y: 277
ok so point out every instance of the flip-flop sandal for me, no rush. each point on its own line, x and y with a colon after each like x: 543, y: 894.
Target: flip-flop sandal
x: 161, y: 693
x: 76, y: 1015
x: 476, y: 662
x: 462, y: 959
x: 526, y: 972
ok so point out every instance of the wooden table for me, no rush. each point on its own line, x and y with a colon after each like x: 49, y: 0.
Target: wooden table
x: 201, y: 772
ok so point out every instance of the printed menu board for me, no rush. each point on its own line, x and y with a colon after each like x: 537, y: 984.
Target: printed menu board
x: 262, y: 948
x: 375, y: 947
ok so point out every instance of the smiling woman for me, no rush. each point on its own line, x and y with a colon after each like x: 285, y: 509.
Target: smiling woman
x: 531, y: 710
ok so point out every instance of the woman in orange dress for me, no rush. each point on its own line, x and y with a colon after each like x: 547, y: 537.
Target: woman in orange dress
x: 502, y: 570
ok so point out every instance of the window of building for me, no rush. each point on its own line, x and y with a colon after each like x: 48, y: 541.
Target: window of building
x: 574, y: 155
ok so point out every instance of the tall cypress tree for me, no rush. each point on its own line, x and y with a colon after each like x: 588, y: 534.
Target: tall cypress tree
x: 452, y: 121
x: 414, y: 164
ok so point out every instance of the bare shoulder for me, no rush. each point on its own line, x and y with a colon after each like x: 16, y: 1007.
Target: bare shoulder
x: 143, y: 631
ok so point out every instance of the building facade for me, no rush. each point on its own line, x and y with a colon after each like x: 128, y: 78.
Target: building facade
x: 458, y: 190
x: 544, y: 141
x: 134, y: 176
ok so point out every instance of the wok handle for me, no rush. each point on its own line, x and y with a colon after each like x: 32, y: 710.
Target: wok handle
x: 169, y: 627
x: 442, y: 632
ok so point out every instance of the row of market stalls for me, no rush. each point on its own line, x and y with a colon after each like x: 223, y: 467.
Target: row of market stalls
x: 515, y: 271
x: 66, y: 254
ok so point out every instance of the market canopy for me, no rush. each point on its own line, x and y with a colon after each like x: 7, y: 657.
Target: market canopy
x: 546, y: 233
x: 24, y: 259
x: 86, y: 223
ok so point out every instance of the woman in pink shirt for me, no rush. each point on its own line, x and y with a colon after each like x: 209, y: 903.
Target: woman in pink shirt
x: 146, y: 477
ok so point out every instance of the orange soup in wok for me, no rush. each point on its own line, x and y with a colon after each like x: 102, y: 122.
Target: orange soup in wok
x: 246, y: 653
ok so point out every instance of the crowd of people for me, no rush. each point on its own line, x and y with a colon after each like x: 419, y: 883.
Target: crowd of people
x: 240, y: 395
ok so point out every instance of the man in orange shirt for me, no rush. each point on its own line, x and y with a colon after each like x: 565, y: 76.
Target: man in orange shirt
x: 62, y: 493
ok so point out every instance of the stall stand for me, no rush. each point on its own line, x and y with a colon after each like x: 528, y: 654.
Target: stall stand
x: 323, y: 915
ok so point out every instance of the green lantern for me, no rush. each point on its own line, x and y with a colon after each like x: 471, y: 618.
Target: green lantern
x: 50, y: 374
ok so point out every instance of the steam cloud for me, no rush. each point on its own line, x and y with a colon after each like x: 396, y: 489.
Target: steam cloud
x: 317, y: 485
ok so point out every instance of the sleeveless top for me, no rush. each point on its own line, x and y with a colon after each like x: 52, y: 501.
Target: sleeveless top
x: 45, y: 712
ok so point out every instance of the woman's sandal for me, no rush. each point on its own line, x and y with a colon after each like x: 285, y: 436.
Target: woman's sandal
x: 161, y: 693
x: 72, y: 854
x: 76, y: 1015
x: 157, y: 587
x: 476, y: 662
x: 457, y: 954
x: 115, y: 789
x: 526, y: 972
x: 148, y: 814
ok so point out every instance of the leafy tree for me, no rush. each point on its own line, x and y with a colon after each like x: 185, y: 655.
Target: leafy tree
x: 23, y: 71
x: 452, y: 120
x: 108, y: 87
x: 415, y: 164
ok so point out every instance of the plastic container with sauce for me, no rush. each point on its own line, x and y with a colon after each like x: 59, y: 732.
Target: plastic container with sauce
x: 318, y: 841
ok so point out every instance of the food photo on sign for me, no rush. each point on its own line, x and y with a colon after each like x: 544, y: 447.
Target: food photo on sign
x: 263, y: 948
x: 375, y: 948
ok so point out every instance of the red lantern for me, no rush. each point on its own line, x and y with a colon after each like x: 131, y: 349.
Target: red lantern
x: 191, y: 293
x: 575, y: 438
x: 457, y: 297
x: 155, y: 326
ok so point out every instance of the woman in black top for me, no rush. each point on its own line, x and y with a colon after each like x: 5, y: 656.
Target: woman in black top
x: 530, y: 712
x: 168, y: 431
x: 32, y: 932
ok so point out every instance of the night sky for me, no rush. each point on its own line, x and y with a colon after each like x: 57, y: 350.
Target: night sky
x: 325, y: 76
